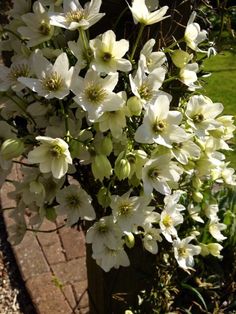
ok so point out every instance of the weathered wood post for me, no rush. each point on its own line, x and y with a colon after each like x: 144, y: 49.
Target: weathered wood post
x: 112, y: 292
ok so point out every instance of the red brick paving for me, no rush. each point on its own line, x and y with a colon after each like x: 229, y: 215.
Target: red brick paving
x: 52, y: 264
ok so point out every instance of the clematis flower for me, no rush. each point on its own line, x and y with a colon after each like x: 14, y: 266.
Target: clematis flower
x: 215, y: 228
x: 52, y: 155
x: 157, y: 172
x: 9, y: 76
x: 38, y: 28
x: 160, y: 125
x: 201, y: 113
x: 185, y: 150
x: 75, y: 16
x: 188, y: 76
x: 103, y: 232
x: 94, y: 94
x: 142, y: 14
x: 193, y: 34
x: 108, y: 53
x: 150, y: 238
x: 152, y: 59
x: 145, y: 87
x: 110, y: 257
x: 184, y: 252
x: 53, y: 81
x: 75, y: 203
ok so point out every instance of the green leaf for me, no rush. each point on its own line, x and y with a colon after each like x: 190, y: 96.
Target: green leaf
x: 196, y: 292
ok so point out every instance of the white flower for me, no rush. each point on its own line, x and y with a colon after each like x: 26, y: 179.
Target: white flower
x: 75, y: 16
x: 157, y: 172
x: 38, y: 28
x: 109, y: 257
x: 75, y: 203
x: 52, y: 155
x: 171, y: 217
x: 211, y: 248
x: 160, y: 125
x: 108, y: 53
x: 194, y: 212
x: 215, y: 228
x: 185, y: 150
x: 9, y: 76
x: 144, y: 86
x: 127, y: 211
x: 152, y: 60
x: 193, y: 34
x: 53, y: 81
x: 103, y: 232
x: 94, y: 94
x: 150, y: 238
x: 79, y: 51
x: 184, y: 252
x: 141, y: 13
x: 188, y: 76
x: 201, y: 113
x: 20, y: 7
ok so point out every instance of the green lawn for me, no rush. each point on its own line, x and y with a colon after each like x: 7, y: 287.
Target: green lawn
x: 221, y: 86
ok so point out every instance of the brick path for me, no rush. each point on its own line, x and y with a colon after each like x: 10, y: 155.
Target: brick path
x: 52, y: 264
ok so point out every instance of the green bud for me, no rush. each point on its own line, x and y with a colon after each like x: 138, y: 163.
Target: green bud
x: 122, y: 168
x: 75, y: 148
x: 197, y: 197
x: 106, y: 146
x: 135, y: 105
x: 196, y: 182
x: 11, y: 148
x: 101, y: 167
x: 129, y: 240
x: 104, y: 197
x: 180, y: 58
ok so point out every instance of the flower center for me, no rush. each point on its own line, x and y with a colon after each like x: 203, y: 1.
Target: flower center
x: 44, y: 28
x: 18, y: 71
x: 198, y: 118
x: 131, y: 158
x: 107, y: 56
x: 125, y: 209
x: 145, y: 92
x: 182, y: 252
x: 75, y: 16
x: 159, y: 126
x: 167, y: 221
x: 56, y: 151
x: 103, y: 228
x: 177, y: 145
x: 95, y: 94
x: 153, y: 173
x: 73, y: 201
x: 53, y: 82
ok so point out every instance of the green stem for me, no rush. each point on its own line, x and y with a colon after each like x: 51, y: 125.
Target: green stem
x: 21, y: 107
x: 170, y: 79
x: 137, y: 41
x: 175, y: 43
x: 119, y: 17
x: 23, y: 164
x: 6, y: 30
x: 6, y: 208
x: 65, y: 115
x: 85, y: 43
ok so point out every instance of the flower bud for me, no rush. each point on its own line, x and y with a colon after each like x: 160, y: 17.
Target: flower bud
x: 135, y: 105
x: 129, y: 240
x: 104, y: 197
x: 122, y: 168
x: 180, y: 58
x: 106, y: 146
x: 197, y: 197
x: 196, y: 182
x: 11, y: 148
x: 101, y: 167
x: 214, y: 249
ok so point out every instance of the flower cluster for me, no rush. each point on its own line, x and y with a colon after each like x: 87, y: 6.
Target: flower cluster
x: 103, y: 138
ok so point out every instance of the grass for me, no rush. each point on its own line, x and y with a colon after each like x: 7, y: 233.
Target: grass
x: 221, y: 87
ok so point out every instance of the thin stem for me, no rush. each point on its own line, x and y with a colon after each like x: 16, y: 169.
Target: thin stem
x: 170, y: 79
x: 6, y: 30
x: 85, y: 43
x: 23, y: 164
x: 65, y: 115
x: 137, y: 41
x: 21, y: 107
x: 6, y: 208
x: 45, y: 231
x: 119, y: 17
